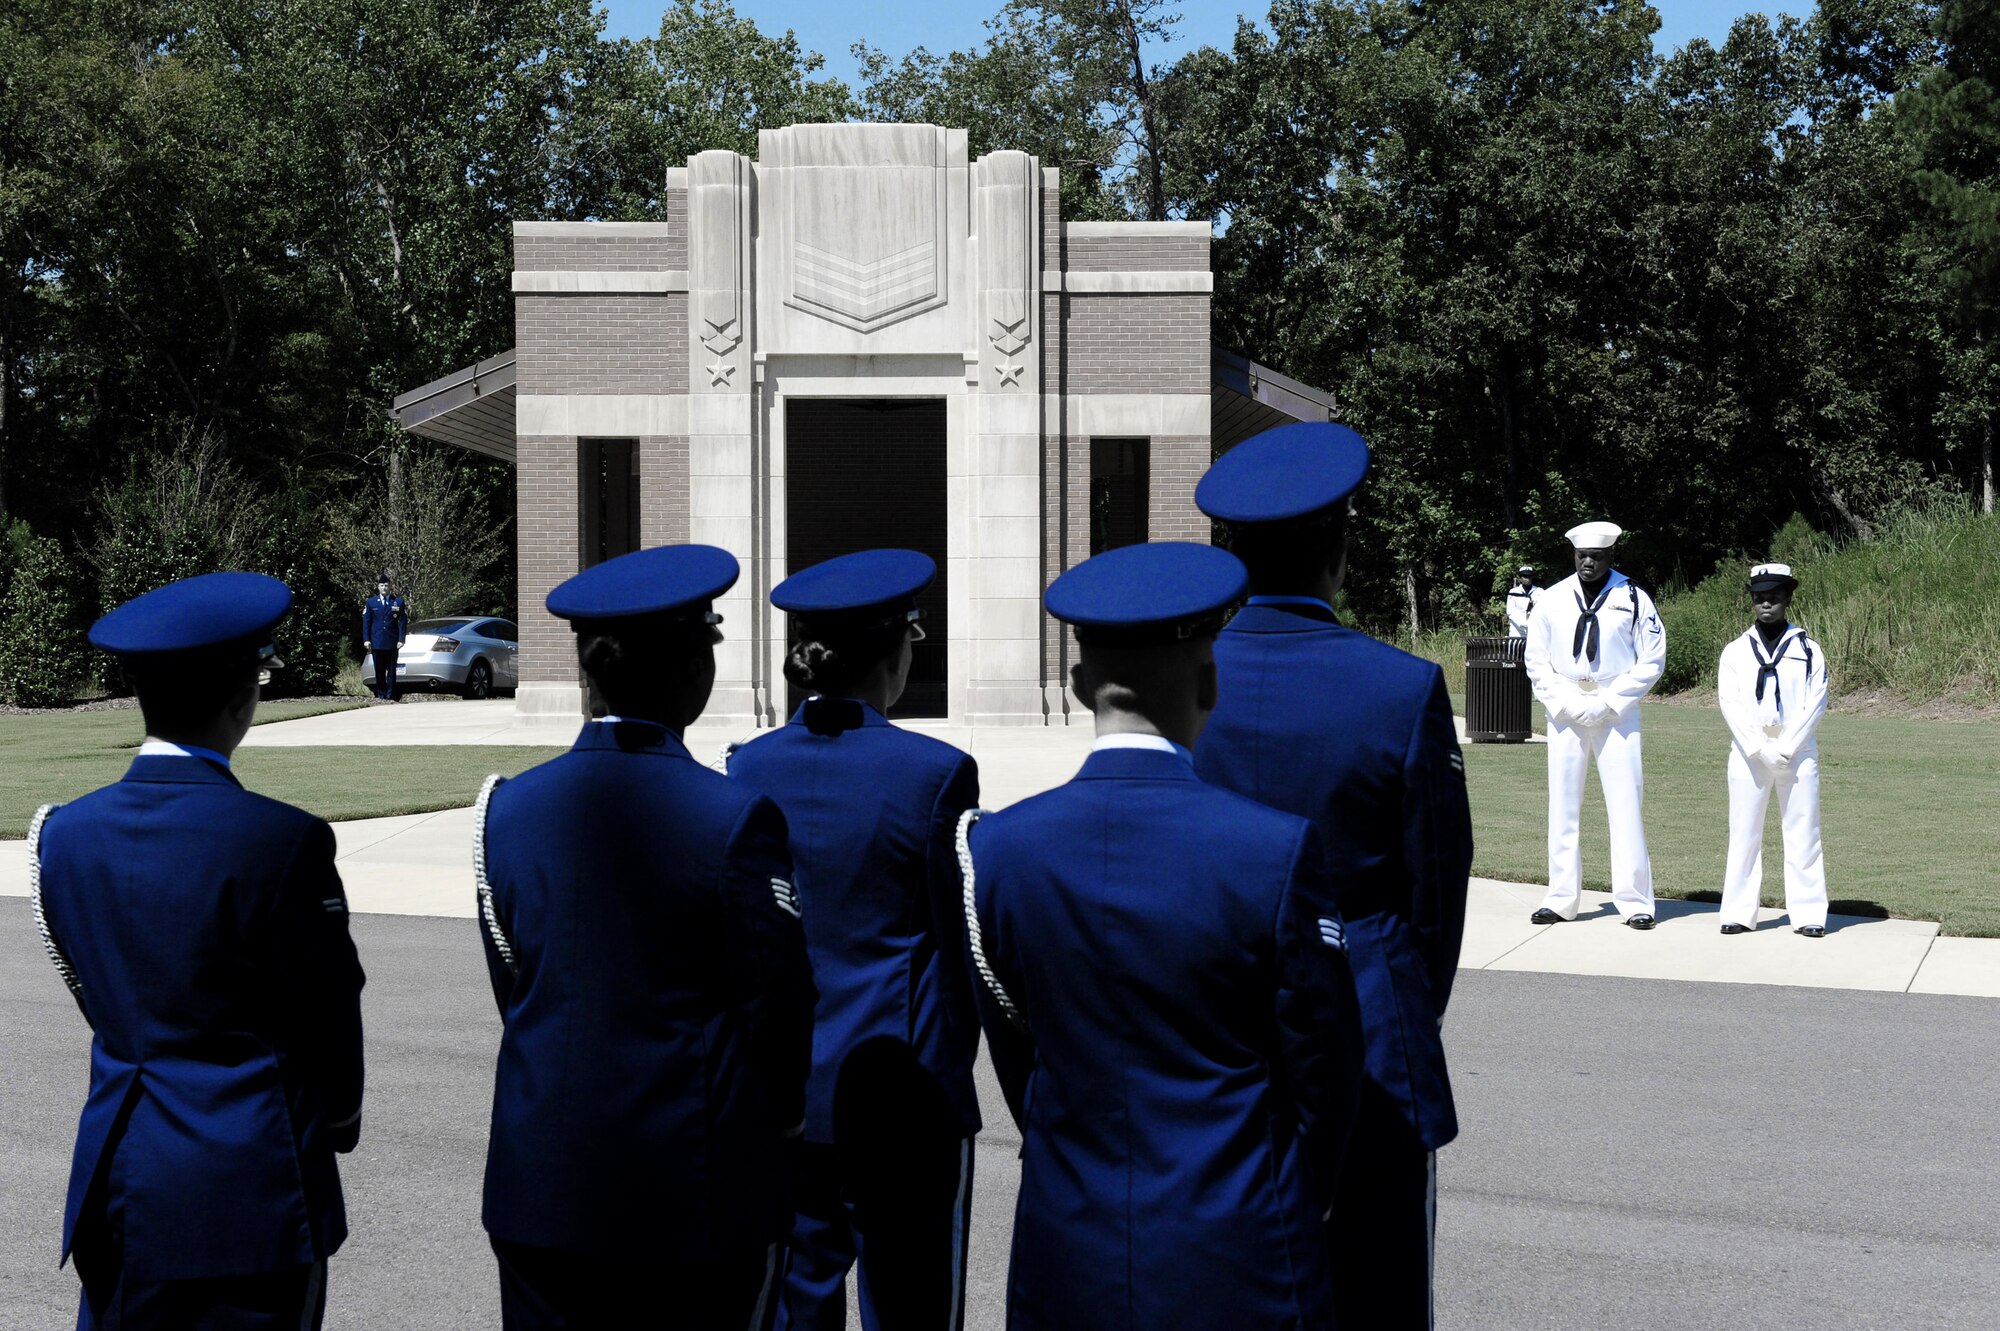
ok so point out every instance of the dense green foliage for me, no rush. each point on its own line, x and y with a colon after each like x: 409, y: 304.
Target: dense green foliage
x: 42, y: 651
x: 1549, y: 271
x: 1914, y: 613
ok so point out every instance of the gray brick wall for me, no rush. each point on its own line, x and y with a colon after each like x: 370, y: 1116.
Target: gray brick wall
x: 601, y: 344
x: 608, y: 253
x: 1136, y: 343
x: 663, y: 490
x: 546, y: 515
x: 677, y: 228
x: 1136, y: 254
x: 1177, y: 466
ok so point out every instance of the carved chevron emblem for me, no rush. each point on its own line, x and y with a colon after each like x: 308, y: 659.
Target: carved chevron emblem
x: 868, y: 246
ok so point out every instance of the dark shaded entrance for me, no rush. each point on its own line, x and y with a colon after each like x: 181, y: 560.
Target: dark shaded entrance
x: 862, y: 474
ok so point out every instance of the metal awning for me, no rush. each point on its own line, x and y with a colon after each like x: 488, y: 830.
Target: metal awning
x: 472, y: 408
x: 1247, y: 398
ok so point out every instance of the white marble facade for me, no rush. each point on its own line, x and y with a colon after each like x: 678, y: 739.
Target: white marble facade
x: 863, y: 261
x: 871, y: 261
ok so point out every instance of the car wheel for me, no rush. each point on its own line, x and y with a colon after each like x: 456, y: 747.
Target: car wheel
x: 479, y: 680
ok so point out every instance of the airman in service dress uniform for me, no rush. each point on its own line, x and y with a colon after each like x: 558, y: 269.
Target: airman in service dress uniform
x: 203, y: 932
x: 1521, y: 600
x: 1164, y: 985
x: 1595, y: 648
x: 873, y: 810
x: 1330, y: 724
x: 1772, y: 689
x: 385, y: 623
x: 643, y: 940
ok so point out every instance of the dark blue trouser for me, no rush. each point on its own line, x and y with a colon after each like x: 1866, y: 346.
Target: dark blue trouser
x: 385, y: 670
x: 1383, y: 1230
x: 906, y: 1235
x: 547, y: 1289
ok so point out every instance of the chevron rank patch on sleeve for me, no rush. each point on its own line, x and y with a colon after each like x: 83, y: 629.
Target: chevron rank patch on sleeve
x: 787, y: 897
x: 1332, y: 933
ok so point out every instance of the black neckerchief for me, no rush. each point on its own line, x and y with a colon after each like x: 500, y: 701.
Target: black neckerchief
x: 1586, y: 625
x: 1767, y: 657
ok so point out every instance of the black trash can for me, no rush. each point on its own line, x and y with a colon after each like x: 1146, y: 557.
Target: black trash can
x: 1498, y: 703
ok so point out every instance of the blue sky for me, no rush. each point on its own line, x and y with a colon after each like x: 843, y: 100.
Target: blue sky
x: 943, y: 25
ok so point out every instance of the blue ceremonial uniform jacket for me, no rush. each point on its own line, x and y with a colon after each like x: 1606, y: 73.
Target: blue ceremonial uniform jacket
x: 645, y: 951
x: 1186, y: 1056
x: 873, y: 812
x: 208, y: 933
x: 1330, y: 724
x: 385, y: 623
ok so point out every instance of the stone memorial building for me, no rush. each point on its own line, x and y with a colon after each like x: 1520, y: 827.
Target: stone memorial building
x: 862, y: 338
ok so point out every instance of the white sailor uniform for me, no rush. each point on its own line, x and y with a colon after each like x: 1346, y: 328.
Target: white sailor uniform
x: 1590, y: 664
x: 1773, y: 701
x: 1521, y: 604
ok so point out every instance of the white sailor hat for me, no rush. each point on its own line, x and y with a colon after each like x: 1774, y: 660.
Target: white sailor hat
x: 1594, y: 535
x: 1764, y: 577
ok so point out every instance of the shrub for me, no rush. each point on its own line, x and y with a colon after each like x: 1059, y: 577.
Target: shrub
x: 44, y: 656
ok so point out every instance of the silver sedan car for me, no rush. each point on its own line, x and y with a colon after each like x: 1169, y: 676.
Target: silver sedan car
x: 472, y: 655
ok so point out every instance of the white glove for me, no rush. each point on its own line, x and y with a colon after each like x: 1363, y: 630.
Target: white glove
x: 1773, y: 759
x: 1591, y: 712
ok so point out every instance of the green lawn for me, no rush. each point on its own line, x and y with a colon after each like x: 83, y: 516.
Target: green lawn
x: 1910, y: 811
x: 52, y: 758
x: 1911, y: 808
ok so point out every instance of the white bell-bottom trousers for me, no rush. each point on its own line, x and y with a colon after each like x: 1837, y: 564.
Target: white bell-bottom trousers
x: 1615, y: 747
x: 1750, y: 785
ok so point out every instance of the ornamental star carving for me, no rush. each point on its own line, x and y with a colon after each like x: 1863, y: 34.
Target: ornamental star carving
x: 719, y: 373
x: 1010, y: 374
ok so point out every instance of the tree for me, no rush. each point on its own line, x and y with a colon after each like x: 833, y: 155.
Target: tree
x: 1953, y: 121
x: 429, y: 528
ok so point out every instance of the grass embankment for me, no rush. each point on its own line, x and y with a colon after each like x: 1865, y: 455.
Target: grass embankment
x: 56, y: 757
x: 1908, y: 808
x: 1911, y: 617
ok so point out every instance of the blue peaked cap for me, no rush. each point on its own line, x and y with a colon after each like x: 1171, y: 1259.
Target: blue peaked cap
x: 666, y: 580
x: 1165, y: 589
x: 1284, y: 473
x: 851, y: 584
x: 199, y: 614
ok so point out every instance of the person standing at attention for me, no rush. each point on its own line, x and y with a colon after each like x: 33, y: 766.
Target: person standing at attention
x: 1521, y: 600
x: 1771, y: 686
x: 643, y: 941
x: 1164, y: 985
x: 202, y: 930
x: 1330, y: 724
x: 1595, y: 648
x: 885, y: 1173
x: 385, y: 622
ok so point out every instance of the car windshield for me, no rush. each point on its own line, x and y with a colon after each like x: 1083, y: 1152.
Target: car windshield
x: 439, y: 625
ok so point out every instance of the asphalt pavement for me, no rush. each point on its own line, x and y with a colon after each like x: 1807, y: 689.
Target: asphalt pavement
x: 1636, y: 1153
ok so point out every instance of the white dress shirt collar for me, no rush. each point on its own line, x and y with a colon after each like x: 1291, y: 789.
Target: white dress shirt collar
x: 1157, y: 743
x: 159, y: 748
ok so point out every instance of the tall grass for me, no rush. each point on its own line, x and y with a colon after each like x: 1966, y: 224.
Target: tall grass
x: 1914, y: 613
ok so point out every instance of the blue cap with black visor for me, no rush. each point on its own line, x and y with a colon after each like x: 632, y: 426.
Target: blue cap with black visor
x: 211, y: 616
x: 1137, y: 595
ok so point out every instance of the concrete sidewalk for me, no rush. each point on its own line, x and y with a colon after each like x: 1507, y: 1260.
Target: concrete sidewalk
x: 457, y: 721
x: 421, y: 864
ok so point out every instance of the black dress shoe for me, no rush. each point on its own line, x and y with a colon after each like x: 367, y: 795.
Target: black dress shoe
x: 1545, y: 916
x: 1638, y: 921
x: 1736, y: 928
x: 1811, y: 930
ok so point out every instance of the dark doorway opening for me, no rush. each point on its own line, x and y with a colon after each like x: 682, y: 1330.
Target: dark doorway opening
x: 861, y: 474
x: 1120, y: 477
x: 607, y: 493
